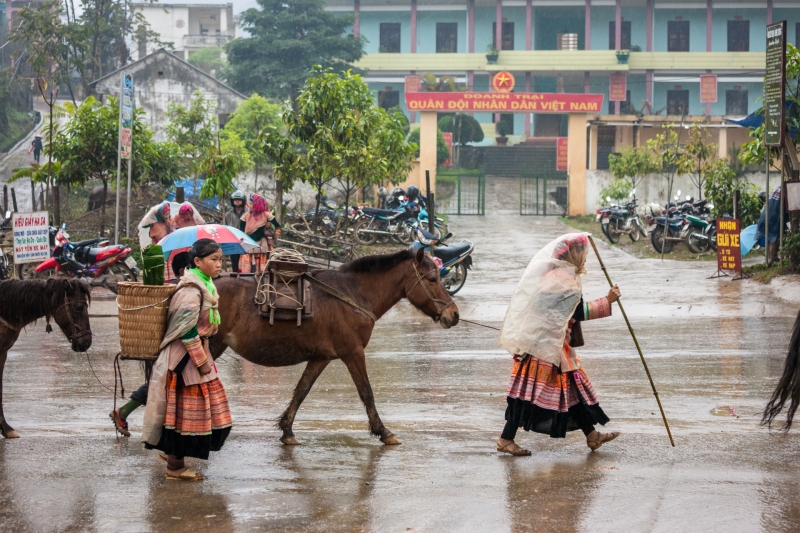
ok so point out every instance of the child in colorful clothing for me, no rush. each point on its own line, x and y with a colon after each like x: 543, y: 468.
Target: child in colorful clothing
x: 187, y: 412
x: 550, y: 392
x: 255, y: 223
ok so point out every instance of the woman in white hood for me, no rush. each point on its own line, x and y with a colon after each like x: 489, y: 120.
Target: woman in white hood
x: 550, y: 392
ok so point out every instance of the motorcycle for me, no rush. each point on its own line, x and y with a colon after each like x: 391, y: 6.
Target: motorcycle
x: 456, y: 258
x: 375, y: 223
x: 6, y: 261
x: 92, y: 258
x: 704, y: 229
x: 673, y: 227
x: 618, y: 220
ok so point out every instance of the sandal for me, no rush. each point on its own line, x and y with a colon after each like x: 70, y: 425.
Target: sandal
x: 600, y: 439
x: 516, y: 451
x: 119, y: 423
x: 186, y: 475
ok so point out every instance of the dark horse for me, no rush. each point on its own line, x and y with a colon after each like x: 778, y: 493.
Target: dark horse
x: 789, y: 385
x: 337, y: 330
x: 21, y: 302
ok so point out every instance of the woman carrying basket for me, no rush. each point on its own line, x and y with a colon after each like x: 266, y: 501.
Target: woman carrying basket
x: 550, y: 392
x: 187, y: 412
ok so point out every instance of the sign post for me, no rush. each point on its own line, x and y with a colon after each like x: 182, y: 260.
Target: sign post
x: 125, y: 141
x: 729, y: 250
x: 774, y: 97
x: 31, y: 237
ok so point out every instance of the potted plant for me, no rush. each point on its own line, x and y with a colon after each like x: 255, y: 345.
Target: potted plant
x: 503, y: 130
x: 492, y: 54
x: 622, y: 56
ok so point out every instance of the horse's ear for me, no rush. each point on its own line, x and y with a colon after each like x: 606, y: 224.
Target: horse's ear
x: 71, y: 284
x: 420, y: 257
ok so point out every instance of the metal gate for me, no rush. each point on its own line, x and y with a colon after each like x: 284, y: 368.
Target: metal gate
x: 466, y: 196
x: 543, y: 195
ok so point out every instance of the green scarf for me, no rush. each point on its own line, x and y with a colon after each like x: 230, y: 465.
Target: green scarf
x: 213, y: 318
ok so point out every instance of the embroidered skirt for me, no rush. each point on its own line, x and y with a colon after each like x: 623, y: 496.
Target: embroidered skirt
x: 198, y: 419
x: 543, y: 399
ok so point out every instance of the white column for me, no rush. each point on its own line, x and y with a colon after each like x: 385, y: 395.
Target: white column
x: 223, y: 21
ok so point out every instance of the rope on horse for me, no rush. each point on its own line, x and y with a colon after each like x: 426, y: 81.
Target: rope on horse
x: 265, y: 291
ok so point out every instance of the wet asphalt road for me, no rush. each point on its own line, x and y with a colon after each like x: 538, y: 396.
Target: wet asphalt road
x: 715, y: 349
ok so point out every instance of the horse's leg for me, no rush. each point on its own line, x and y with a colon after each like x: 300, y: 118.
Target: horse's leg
x: 310, y: 375
x: 357, y: 365
x: 7, y: 431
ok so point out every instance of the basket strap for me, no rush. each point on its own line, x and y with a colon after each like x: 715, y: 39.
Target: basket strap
x: 144, y: 306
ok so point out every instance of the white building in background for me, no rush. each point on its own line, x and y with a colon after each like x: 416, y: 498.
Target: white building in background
x: 189, y: 27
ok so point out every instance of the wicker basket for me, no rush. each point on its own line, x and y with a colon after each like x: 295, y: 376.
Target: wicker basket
x: 142, y: 318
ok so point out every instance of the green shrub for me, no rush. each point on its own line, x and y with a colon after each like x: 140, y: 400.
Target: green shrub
x: 720, y: 184
x: 619, y: 189
x: 442, y: 151
x: 465, y: 129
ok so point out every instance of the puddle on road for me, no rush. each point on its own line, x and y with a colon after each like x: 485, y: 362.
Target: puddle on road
x: 724, y: 410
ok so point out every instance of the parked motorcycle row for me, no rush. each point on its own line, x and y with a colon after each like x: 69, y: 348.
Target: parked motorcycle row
x: 682, y: 221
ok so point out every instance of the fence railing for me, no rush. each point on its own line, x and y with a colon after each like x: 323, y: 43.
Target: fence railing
x: 543, y: 196
x: 461, y: 195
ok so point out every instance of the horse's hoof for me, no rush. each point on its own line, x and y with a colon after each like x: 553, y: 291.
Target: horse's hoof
x: 11, y: 434
x: 390, y: 440
x: 290, y: 441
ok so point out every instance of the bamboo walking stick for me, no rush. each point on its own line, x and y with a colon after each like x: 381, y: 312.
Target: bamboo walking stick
x: 636, y: 342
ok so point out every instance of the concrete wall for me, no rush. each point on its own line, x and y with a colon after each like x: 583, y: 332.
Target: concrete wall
x: 653, y: 188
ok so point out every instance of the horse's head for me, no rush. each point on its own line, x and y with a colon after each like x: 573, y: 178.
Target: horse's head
x: 426, y: 292
x: 70, y: 309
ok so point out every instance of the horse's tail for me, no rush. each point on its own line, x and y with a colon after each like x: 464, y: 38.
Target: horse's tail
x: 789, y: 384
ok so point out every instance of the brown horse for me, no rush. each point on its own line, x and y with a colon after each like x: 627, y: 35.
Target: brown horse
x: 22, y: 302
x: 337, y: 330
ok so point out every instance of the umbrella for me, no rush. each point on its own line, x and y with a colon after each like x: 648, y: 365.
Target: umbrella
x: 231, y: 240
x: 747, y: 239
x: 756, y: 118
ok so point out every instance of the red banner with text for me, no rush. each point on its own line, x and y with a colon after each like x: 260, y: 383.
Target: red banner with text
x: 618, y: 87
x: 708, y: 88
x: 562, y: 154
x: 506, y: 102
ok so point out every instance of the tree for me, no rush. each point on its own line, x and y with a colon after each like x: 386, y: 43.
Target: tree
x: 403, y: 118
x: 210, y: 60
x: 58, y: 41
x: 86, y: 148
x: 252, y: 116
x: 633, y: 164
x: 442, y: 150
x: 337, y: 133
x: 230, y: 159
x: 465, y: 129
x: 698, y: 157
x: 754, y: 152
x: 720, y: 184
x: 193, y: 130
x: 667, y: 152
x: 287, y: 40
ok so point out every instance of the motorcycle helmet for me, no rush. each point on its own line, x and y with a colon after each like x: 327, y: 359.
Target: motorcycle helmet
x: 398, y: 192
x: 238, y: 195
x: 412, y: 193
x: 383, y: 193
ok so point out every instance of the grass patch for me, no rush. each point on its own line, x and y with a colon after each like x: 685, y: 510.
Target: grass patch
x: 20, y: 124
x: 642, y: 249
x: 765, y: 273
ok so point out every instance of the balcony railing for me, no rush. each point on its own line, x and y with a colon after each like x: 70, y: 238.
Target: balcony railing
x: 206, y: 40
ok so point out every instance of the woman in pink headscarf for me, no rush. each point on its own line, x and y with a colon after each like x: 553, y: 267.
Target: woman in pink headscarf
x: 158, y: 221
x: 255, y: 223
x: 187, y: 216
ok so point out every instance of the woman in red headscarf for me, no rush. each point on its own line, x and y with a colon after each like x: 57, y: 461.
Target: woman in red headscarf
x: 187, y: 216
x: 550, y: 392
x: 255, y: 223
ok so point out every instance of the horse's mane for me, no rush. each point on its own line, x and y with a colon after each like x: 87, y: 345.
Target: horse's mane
x: 377, y: 263
x: 23, y: 301
x: 789, y: 385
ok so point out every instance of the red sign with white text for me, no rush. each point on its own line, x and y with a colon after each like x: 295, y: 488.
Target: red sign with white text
x: 448, y: 138
x: 618, y: 87
x: 562, y: 154
x: 506, y: 102
x: 708, y: 88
